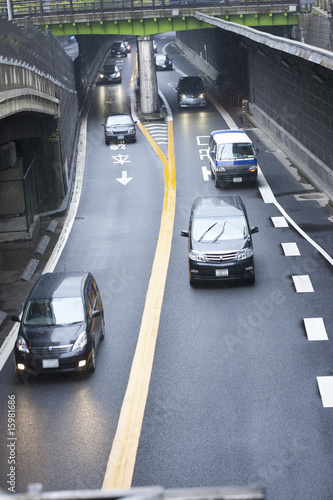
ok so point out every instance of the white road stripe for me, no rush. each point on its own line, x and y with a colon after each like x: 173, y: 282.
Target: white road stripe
x: 302, y: 283
x: 205, y: 173
x: 290, y: 249
x: 315, y: 329
x: 326, y: 390
x: 279, y: 222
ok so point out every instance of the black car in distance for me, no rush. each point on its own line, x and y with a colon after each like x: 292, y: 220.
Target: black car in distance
x: 118, y: 49
x: 220, y: 240
x: 62, y: 325
x: 110, y: 73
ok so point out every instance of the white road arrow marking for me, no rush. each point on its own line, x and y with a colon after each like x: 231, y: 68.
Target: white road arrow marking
x: 121, y: 159
x: 124, y: 179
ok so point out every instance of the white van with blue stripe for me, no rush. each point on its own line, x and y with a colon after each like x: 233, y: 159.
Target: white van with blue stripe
x: 232, y: 157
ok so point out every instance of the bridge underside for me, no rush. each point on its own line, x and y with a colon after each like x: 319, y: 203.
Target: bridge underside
x: 145, y: 23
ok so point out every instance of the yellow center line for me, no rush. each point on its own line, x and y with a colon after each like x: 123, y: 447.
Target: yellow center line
x: 120, y: 467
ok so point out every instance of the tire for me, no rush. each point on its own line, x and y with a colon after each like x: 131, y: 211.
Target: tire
x: 217, y: 184
x: 251, y: 281
x: 92, y: 367
x: 212, y: 173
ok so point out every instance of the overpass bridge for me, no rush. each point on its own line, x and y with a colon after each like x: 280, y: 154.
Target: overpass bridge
x: 147, y: 17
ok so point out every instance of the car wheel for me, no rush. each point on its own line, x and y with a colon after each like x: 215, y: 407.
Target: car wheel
x: 251, y: 281
x: 93, y: 359
x: 107, y: 142
x: 212, y: 173
x: 217, y: 184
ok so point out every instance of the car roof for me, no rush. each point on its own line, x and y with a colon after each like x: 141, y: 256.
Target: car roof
x: 190, y: 78
x: 59, y: 284
x: 215, y: 206
x: 115, y: 115
x: 230, y: 136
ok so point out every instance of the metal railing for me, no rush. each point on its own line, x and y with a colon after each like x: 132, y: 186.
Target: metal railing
x: 22, y: 8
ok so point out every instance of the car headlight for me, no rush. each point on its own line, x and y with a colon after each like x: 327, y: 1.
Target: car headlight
x: 80, y: 342
x: 131, y: 131
x: 183, y: 96
x: 245, y: 254
x: 219, y: 168
x: 197, y: 256
x: 202, y: 96
x: 101, y: 75
x: 21, y: 345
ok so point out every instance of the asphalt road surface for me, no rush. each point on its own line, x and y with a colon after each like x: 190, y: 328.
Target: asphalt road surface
x: 240, y: 388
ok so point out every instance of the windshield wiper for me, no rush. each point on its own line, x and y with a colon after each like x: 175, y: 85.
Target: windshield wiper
x: 207, y: 230
x: 220, y: 234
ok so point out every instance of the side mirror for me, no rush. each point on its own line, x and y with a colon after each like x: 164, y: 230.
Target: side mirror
x: 16, y: 318
x: 254, y: 230
x: 103, y: 124
x: 95, y: 314
x: 184, y: 233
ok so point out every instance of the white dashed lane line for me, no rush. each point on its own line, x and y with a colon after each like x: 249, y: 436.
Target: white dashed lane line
x: 326, y: 390
x: 290, y: 249
x: 315, y: 329
x: 279, y: 222
x: 302, y: 283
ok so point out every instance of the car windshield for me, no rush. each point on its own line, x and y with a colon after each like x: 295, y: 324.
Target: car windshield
x: 213, y: 229
x: 117, y: 45
x: 113, y: 121
x: 60, y: 311
x: 239, y: 150
x: 192, y: 86
x: 108, y: 69
x: 161, y: 58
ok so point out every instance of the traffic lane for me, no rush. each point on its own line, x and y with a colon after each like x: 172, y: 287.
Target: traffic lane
x: 114, y: 236
x: 233, y: 396
x: 255, y: 337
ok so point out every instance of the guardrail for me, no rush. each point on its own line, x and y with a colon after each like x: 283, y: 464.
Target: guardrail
x: 22, y: 8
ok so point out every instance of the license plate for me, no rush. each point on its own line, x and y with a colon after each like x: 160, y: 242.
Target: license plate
x: 121, y: 136
x: 238, y: 179
x: 50, y: 363
x: 221, y: 272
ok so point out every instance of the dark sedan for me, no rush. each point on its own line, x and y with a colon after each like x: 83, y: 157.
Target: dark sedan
x: 109, y: 74
x: 163, y: 62
x: 118, y: 49
x: 119, y: 128
x: 61, y: 327
x: 220, y: 240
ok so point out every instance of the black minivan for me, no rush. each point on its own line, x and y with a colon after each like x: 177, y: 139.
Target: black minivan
x: 220, y: 240
x: 62, y: 325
